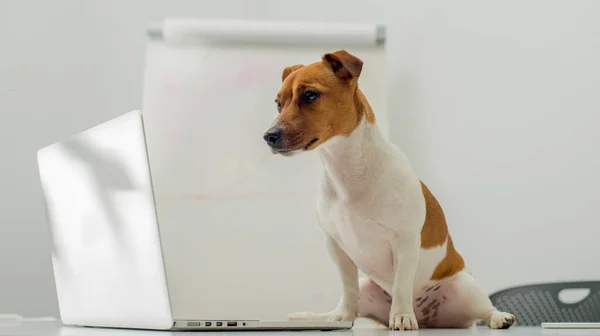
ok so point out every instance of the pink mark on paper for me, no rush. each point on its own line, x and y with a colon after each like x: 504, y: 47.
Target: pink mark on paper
x: 226, y: 192
x: 199, y: 103
x: 171, y: 84
x: 173, y: 138
x: 251, y: 73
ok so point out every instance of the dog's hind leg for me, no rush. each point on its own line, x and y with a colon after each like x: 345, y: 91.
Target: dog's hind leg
x: 374, y: 302
x: 458, y: 302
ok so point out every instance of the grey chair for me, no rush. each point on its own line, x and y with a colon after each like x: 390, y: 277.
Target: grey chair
x: 534, y: 304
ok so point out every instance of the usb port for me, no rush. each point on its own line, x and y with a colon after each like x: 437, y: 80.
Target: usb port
x: 208, y: 324
x: 219, y: 324
x: 232, y: 324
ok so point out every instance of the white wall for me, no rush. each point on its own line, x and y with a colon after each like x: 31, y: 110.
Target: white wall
x: 64, y: 65
x: 495, y: 102
x: 500, y: 114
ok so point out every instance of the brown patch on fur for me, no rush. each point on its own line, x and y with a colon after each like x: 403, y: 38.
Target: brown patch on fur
x: 435, y: 230
x: 344, y: 65
x: 337, y: 110
x: 435, y: 233
x: 287, y: 71
x: 450, y: 265
x: 365, y: 109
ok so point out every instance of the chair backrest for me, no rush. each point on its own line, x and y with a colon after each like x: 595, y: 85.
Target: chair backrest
x: 534, y: 304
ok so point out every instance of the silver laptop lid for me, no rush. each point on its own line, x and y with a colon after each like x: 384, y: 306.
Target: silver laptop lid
x: 106, y: 254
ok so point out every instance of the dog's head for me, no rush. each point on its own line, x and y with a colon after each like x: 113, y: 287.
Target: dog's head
x: 317, y: 102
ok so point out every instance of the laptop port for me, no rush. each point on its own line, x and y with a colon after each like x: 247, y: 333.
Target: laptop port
x: 208, y: 324
x: 219, y: 324
x: 231, y: 324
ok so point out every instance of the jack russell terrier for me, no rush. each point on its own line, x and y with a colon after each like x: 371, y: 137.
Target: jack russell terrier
x: 377, y: 215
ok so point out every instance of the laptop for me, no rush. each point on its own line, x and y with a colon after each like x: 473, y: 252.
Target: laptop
x: 106, y: 245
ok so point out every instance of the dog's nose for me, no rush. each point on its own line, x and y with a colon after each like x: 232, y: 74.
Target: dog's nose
x: 273, y: 136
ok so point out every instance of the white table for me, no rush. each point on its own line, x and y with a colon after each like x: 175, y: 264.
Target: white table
x: 56, y: 329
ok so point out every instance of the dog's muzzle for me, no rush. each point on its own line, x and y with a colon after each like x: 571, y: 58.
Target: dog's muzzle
x: 273, y: 137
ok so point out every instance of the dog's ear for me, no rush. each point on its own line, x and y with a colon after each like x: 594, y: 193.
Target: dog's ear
x: 287, y: 71
x: 344, y: 65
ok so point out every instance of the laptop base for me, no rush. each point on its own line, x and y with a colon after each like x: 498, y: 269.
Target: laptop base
x: 261, y: 325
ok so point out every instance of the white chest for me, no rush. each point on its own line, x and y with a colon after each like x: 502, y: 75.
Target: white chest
x: 368, y: 198
x: 360, y: 235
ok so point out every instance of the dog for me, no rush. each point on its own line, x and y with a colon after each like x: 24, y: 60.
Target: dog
x: 377, y: 215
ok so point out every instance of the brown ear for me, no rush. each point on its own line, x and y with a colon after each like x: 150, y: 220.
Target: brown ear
x: 287, y: 71
x: 344, y: 65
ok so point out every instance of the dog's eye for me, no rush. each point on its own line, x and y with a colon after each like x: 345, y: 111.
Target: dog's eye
x: 278, y: 105
x: 309, y: 96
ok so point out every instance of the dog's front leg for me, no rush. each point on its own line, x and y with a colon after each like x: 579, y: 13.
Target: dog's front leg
x: 347, y: 309
x: 406, y: 258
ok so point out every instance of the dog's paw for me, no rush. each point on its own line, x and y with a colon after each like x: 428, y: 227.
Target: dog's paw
x: 341, y: 316
x: 500, y: 320
x: 403, y: 322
